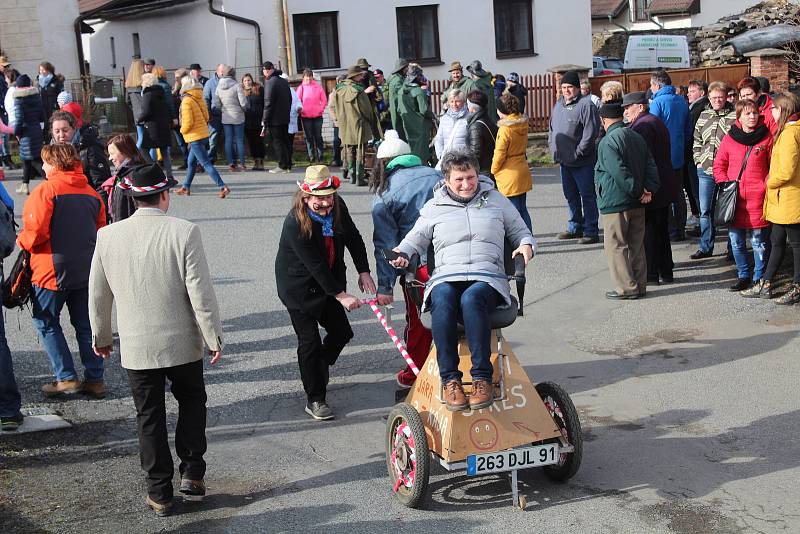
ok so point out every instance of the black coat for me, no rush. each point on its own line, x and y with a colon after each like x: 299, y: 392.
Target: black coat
x: 255, y: 111
x: 520, y: 92
x: 277, y: 101
x: 29, y: 116
x: 122, y: 205
x: 656, y: 136
x: 93, y: 157
x: 302, y: 274
x: 156, y: 118
x: 482, y: 136
x: 49, y: 95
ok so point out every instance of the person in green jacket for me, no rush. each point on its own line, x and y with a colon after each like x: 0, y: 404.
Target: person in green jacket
x: 457, y: 81
x: 416, y: 115
x: 625, y: 178
x: 393, y: 87
x: 354, y: 112
x: 482, y: 81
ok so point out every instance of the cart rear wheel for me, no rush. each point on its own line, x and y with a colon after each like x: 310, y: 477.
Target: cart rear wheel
x: 564, y: 414
x: 407, y: 455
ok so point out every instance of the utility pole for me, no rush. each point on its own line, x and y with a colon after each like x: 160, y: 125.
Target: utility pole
x: 283, y: 57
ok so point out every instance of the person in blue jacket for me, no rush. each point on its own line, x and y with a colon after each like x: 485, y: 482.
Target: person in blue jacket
x: 10, y: 399
x: 673, y: 110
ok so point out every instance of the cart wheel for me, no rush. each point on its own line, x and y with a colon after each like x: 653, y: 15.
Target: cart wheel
x: 564, y: 414
x: 407, y: 455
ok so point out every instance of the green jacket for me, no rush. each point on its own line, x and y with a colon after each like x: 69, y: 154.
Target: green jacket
x: 624, y: 169
x: 394, y: 85
x: 484, y: 85
x: 353, y: 113
x: 454, y: 85
x: 417, y: 119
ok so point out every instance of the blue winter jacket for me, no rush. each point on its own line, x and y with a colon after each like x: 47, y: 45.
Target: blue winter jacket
x: 395, y: 211
x: 673, y: 110
x: 29, y: 115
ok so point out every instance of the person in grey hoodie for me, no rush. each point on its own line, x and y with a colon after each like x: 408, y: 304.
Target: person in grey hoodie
x: 467, y: 221
x: 574, y: 126
x: 229, y: 98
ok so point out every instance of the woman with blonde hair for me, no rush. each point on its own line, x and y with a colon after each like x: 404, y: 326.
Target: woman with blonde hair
x: 611, y: 90
x: 782, y: 202
x: 133, y: 96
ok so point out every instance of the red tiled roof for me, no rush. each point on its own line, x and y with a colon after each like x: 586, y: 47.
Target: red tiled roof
x: 601, y: 9
x: 674, y: 7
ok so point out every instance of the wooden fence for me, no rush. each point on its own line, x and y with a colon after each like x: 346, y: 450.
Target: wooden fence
x: 640, y: 81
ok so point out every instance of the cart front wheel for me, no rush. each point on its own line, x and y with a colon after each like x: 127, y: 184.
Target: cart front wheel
x: 407, y: 455
x: 565, y: 416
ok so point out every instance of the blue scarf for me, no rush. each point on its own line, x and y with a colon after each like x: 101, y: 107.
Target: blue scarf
x: 44, y: 80
x: 326, y: 222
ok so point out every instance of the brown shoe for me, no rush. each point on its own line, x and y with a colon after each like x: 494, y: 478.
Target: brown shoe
x: 60, y: 388
x: 162, y: 509
x: 454, y: 396
x: 96, y: 390
x: 224, y: 192
x: 193, y: 490
x: 182, y: 191
x: 482, y: 395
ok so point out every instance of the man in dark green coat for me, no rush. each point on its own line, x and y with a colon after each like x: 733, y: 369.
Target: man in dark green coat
x: 416, y: 115
x: 354, y: 113
x: 393, y: 87
x: 625, y: 178
x: 482, y: 81
x: 457, y: 81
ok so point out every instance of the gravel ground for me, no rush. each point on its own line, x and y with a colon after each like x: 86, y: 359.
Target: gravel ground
x: 684, y: 398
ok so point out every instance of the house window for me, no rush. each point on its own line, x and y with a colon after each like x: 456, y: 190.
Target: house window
x: 316, y: 40
x: 418, y: 34
x: 137, y: 49
x: 639, y: 11
x: 113, y: 54
x: 513, y: 28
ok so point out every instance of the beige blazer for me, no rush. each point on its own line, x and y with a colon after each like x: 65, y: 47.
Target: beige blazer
x: 155, y: 269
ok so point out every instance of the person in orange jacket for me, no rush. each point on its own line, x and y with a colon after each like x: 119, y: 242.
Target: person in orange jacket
x: 59, y: 228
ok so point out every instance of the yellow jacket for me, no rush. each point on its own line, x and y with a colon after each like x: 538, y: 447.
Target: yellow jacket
x: 194, y: 116
x: 510, y: 163
x: 782, y: 201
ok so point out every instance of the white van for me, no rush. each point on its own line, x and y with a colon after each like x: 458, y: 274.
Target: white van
x: 653, y: 51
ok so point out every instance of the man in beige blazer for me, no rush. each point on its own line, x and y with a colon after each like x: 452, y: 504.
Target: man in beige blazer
x: 155, y: 269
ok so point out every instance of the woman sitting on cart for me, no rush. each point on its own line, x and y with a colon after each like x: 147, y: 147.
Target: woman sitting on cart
x: 467, y: 221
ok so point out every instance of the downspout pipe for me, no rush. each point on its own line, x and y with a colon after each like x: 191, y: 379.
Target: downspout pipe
x: 243, y: 20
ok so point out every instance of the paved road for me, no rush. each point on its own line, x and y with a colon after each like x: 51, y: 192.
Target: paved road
x: 688, y: 401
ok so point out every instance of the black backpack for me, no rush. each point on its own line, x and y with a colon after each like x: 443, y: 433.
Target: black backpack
x: 8, y: 231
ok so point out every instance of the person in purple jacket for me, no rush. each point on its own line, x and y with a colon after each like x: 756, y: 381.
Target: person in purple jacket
x: 673, y: 110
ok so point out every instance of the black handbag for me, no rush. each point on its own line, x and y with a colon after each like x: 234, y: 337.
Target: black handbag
x: 17, y: 288
x: 726, y: 195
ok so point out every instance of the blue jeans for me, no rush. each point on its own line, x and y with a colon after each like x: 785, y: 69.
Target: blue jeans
x: 761, y: 248
x: 578, y: 185
x: 234, y: 133
x: 214, y: 127
x: 471, y: 303
x: 519, y: 202
x: 139, y: 135
x: 199, y: 154
x: 182, y: 145
x: 4, y: 148
x: 10, y: 400
x: 166, y: 159
x: 47, y: 307
x: 706, y: 188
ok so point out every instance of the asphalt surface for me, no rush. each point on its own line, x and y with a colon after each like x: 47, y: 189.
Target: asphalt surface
x: 687, y: 398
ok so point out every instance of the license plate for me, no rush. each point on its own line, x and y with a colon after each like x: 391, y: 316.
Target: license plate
x: 495, y: 462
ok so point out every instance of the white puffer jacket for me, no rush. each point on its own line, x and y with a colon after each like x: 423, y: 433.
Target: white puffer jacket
x: 468, y: 239
x: 229, y: 97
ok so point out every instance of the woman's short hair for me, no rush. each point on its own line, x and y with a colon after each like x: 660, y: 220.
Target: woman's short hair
x: 149, y: 79
x: 456, y: 94
x: 308, y: 72
x: 63, y: 156
x: 479, y: 98
x: 611, y: 90
x: 508, y: 104
x: 745, y: 104
x: 750, y: 83
x: 180, y: 73
x: 460, y: 160
x: 61, y: 115
x: 126, y: 146
x: 159, y: 71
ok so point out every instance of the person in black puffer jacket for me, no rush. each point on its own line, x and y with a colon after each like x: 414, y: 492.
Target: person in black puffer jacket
x: 64, y: 129
x: 28, y: 117
x: 482, y: 131
x: 157, y: 120
x: 50, y: 85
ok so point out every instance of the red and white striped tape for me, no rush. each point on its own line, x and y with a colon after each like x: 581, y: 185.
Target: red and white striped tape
x: 392, y: 334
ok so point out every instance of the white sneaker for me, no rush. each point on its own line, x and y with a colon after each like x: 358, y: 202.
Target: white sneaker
x: 276, y: 170
x: 23, y: 189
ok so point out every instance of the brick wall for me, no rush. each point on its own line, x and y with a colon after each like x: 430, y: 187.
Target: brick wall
x: 773, y: 67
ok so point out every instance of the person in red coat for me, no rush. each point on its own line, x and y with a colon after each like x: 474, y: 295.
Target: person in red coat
x: 750, y: 88
x: 747, y: 150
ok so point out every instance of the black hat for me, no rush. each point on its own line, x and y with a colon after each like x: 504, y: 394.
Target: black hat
x: 150, y: 61
x: 268, y: 65
x: 477, y: 69
x: 147, y: 179
x: 637, y: 97
x: 611, y: 110
x: 195, y: 66
x: 399, y: 65
x: 23, y: 81
x: 571, y: 77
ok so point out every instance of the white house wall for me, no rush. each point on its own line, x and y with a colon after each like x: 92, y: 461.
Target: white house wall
x: 713, y: 10
x: 179, y: 36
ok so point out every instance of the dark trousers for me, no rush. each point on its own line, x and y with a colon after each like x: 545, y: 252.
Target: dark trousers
x: 32, y: 168
x: 282, y: 144
x: 315, y: 355
x: 188, y: 388
x: 256, y: 142
x: 657, y: 248
x: 337, y: 145
x: 778, y: 238
x: 691, y: 186
x: 312, y: 126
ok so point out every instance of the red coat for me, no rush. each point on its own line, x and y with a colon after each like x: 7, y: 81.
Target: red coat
x: 753, y: 185
x: 766, y: 111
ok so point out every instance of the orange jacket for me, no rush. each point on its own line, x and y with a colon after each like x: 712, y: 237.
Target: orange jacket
x: 59, y: 228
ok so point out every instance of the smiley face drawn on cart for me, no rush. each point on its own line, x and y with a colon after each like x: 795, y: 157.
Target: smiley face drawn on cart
x: 484, y: 434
